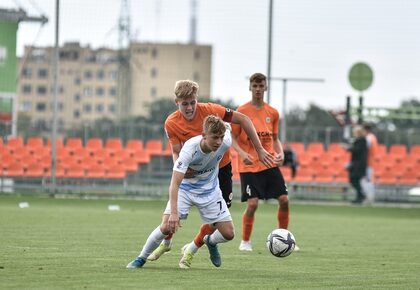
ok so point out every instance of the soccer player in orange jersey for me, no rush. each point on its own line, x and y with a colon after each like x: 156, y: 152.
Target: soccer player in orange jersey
x: 258, y: 181
x: 187, y: 122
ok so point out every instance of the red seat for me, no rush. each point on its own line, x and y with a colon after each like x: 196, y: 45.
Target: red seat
x: 114, y: 144
x: 94, y: 144
x: 35, y: 170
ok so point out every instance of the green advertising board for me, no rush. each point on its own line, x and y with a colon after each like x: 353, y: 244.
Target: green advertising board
x: 7, y: 69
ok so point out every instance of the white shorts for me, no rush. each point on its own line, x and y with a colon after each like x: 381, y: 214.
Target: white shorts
x: 212, y: 207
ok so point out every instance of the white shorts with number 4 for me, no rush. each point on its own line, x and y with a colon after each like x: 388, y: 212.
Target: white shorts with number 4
x: 212, y: 207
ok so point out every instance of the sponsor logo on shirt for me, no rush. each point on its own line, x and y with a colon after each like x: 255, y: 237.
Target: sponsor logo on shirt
x: 179, y: 165
x: 268, y: 120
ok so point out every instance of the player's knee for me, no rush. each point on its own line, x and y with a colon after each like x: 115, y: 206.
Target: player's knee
x: 229, y: 235
x: 164, y: 228
x: 284, y: 202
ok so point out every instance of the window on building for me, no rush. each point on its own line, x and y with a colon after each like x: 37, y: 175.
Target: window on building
x: 113, y: 75
x: 112, y: 91
x: 26, y: 89
x: 41, y: 90
x: 100, y: 74
x: 87, y: 74
x: 153, y: 91
x: 26, y: 106
x: 99, y: 108
x: 87, y: 91
x: 77, y: 81
x: 153, y: 72
x: 197, y: 54
x: 76, y: 114
x: 87, y: 108
x: 100, y: 91
x: 111, y: 108
x: 196, y: 76
x: 41, y: 107
x: 27, y: 73
x: 43, y: 73
x: 77, y: 97
x: 154, y: 52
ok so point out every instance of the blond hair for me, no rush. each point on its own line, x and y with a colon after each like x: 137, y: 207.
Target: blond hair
x: 214, y: 125
x: 185, y: 89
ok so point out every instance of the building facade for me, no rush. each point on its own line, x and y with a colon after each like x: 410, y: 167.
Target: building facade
x: 90, y: 80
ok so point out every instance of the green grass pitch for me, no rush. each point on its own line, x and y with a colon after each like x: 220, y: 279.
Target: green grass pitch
x: 79, y: 244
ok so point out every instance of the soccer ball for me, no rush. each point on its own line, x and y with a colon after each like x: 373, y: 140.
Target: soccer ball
x: 281, y: 243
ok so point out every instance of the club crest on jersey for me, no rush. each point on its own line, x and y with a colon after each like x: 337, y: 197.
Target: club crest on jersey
x: 179, y: 165
x: 267, y: 119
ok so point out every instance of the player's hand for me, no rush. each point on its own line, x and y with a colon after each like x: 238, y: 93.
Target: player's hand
x: 173, y: 223
x: 247, y: 158
x: 279, y: 159
x: 266, y: 158
x: 190, y: 173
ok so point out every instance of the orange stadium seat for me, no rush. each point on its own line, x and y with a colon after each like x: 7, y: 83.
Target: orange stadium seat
x: 154, y: 147
x: 410, y: 177
x: 387, y: 177
x: 304, y: 175
x: 130, y: 165
x: 35, y: 142
x: 95, y: 171
x: 142, y: 157
x: 286, y: 171
x: 75, y: 171
x: 135, y: 145
x: 116, y: 172
x: 73, y: 143
x: 94, y: 144
x: 341, y: 176
x: 298, y: 147
x: 324, y: 176
x: 35, y: 170
x: 14, y: 170
x: 112, y: 145
x: 398, y: 150
x: 15, y: 142
x: 168, y: 150
x: 415, y: 150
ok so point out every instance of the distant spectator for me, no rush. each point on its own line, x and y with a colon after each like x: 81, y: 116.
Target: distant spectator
x: 290, y: 159
x: 368, y: 182
x: 358, y: 163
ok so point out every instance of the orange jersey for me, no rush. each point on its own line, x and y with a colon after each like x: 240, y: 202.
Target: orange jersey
x: 266, y: 122
x: 179, y: 130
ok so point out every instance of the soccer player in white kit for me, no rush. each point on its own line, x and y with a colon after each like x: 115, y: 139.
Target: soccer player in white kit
x: 202, y: 154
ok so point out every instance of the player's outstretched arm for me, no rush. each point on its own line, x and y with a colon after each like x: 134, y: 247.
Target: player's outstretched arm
x: 266, y: 158
x: 173, y: 221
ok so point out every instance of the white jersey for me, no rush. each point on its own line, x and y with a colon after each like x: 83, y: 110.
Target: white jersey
x: 206, y: 165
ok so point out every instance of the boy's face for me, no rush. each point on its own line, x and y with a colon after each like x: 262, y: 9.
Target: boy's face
x: 257, y: 89
x: 187, y: 107
x: 213, y: 141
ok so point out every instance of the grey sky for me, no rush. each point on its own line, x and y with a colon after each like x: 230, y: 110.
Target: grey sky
x: 311, y: 39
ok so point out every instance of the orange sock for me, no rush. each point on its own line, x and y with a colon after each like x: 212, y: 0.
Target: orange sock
x: 283, y: 218
x: 204, y: 230
x: 168, y: 237
x: 247, y: 224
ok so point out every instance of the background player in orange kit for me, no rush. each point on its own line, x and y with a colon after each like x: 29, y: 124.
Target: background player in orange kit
x: 187, y: 122
x: 258, y: 181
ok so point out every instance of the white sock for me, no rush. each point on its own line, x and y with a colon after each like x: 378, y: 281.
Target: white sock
x: 192, y: 247
x: 152, y: 242
x: 217, y: 238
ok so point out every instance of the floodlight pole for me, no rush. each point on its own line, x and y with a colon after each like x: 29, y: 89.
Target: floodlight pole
x: 270, y: 36
x: 55, y: 103
x: 284, y: 100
